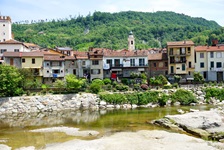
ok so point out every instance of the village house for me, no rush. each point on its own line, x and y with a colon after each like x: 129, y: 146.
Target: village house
x: 210, y: 62
x: 158, y: 64
x: 181, y: 59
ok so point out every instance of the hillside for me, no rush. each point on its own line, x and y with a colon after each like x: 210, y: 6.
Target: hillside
x: 110, y: 30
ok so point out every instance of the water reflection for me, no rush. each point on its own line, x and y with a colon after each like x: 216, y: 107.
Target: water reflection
x: 17, y: 127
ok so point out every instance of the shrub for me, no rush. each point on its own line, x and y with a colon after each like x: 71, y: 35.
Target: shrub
x: 198, y: 78
x: 98, y: 81
x: 121, y: 87
x: 137, y: 87
x: 132, y: 98
x: 144, y: 87
x: 124, y: 81
x: 163, y: 99
x: 115, y: 98
x: 185, y: 97
x: 95, y: 88
x: 167, y: 86
x: 214, y: 92
x: 175, y: 85
x: 106, y: 81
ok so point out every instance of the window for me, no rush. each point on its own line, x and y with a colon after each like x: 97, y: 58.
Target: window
x: 160, y: 64
x: 212, y: 64
x: 218, y: 65
x: 83, y: 62
x: 189, y: 50
x: 218, y: 55
x: 3, y: 25
x: 56, y: 63
x: 23, y: 60
x: 201, y: 55
x: 95, y: 62
x: 74, y: 71
x: 56, y: 71
x: 131, y: 42
x: 189, y: 64
x: 95, y: 71
x: 211, y: 54
x: 141, y: 62
x: 166, y: 64
x: 202, y: 65
x: 16, y: 50
x: 117, y: 62
x: 48, y: 64
x: 154, y: 64
x: 3, y: 50
x: 171, y: 51
x: 109, y: 61
x: 183, y: 67
x: 132, y: 61
x: 205, y: 75
x: 33, y: 60
x: 3, y: 33
x: 4, y: 40
x: 47, y: 71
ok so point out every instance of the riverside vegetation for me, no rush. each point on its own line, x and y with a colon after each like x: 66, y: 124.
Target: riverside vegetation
x: 158, y: 91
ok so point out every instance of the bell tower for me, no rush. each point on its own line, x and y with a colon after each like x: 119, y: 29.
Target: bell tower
x: 131, y: 42
x: 5, y: 28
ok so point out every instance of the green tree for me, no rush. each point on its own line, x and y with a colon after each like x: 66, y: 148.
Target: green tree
x: 73, y: 83
x: 198, y: 78
x: 10, y: 81
x: 60, y: 85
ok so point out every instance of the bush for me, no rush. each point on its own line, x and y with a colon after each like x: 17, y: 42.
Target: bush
x: 106, y: 81
x: 214, y: 92
x: 115, y: 98
x: 98, y: 81
x: 168, y: 86
x: 176, y: 85
x: 185, y: 97
x: 124, y: 81
x: 132, y: 98
x: 163, y: 99
x: 137, y: 87
x: 95, y: 88
x: 121, y: 87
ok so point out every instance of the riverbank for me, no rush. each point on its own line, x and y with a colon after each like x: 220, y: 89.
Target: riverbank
x: 141, y: 140
x: 208, y: 125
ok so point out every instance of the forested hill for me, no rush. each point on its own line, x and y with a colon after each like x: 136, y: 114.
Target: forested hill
x: 110, y: 30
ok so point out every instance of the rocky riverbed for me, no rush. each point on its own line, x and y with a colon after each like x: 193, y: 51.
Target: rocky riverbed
x: 141, y: 140
x: 205, y: 124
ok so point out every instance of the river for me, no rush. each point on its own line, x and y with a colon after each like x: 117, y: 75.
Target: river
x: 15, y: 129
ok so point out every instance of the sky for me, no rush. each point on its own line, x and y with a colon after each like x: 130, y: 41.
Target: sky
x: 20, y: 10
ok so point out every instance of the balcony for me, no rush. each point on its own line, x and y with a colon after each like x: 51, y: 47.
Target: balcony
x: 216, y: 69
x: 179, y: 54
x: 176, y: 62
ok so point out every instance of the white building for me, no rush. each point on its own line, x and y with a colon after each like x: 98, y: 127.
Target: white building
x: 12, y: 46
x: 5, y: 28
x: 210, y: 62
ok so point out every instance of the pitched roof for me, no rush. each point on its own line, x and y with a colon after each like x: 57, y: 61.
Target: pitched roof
x: 81, y: 55
x: 126, y: 53
x: 180, y: 43
x: 209, y: 48
x: 11, y: 41
x: 23, y: 54
x: 53, y: 58
x: 64, y: 48
x: 157, y: 56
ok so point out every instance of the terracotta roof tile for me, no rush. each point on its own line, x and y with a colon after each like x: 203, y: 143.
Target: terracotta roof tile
x: 53, y: 58
x: 157, y: 56
x: 126, y: 53
x: 23, y: 54
x: 180, y: 43
x: 11, y: 41
x: 209, y: 48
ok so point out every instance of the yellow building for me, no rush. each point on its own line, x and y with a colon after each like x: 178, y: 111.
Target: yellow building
x: 181, y: 60
x: 33, y: 61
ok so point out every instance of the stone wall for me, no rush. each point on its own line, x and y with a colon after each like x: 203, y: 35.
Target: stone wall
x: 48, y: 103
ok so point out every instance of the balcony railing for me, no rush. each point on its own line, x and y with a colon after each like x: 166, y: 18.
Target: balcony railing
x: 178, y: 54
x: 132, y: 65
x: 179, y: 61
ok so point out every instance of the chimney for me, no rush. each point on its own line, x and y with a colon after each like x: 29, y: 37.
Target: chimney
x: 214, y: 42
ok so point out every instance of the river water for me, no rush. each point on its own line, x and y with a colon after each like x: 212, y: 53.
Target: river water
x: 14, y: 129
